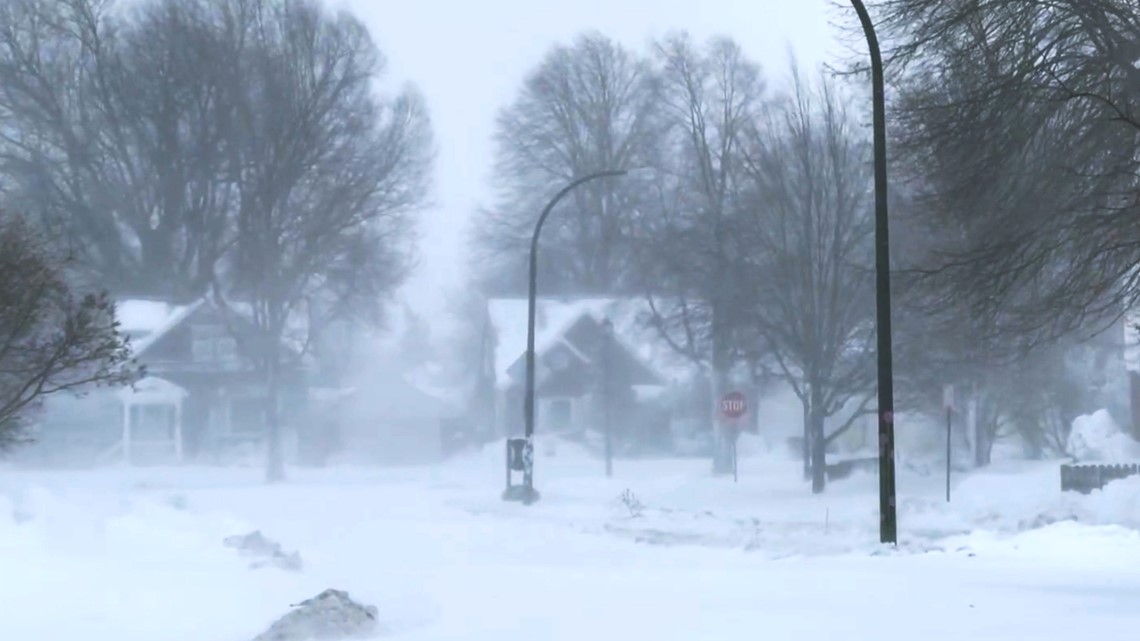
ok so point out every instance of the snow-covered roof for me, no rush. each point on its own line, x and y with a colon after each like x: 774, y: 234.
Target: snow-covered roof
x: 141, y: 315
x: 389, y: 396
x: 508, y: 317
x: 147, y: 321
x: 430, y: 378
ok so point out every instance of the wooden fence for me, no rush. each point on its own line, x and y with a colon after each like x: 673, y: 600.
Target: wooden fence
x: 1086, y: 478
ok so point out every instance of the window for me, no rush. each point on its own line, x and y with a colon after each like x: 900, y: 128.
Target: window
x: 203, y: 349
x: 215, y: 350
x: 212, y: 344
x: 225, y: 348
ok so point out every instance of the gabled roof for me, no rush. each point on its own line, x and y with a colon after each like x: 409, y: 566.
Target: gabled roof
x: 583, y: 342
x: 147, y: 321
x: 384, y: 395
x: 554, y: 317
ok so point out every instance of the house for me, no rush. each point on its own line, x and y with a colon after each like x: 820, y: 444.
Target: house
x: 200, y: 398
x: 388, y: 402
x: 583, y: 347
x: 385, y: 419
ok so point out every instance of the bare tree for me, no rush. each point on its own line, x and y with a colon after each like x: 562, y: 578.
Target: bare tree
x: 232, y: 145
x: 1015, y: 125
x: 169, y: 125
x: 711, y: 96
x: 327, y: 175
x: 811, y: 233
x: 53, y: 337
x: 1020, y: 119
x: 116, y: 132
x: 52, y: 162
x: 589, y: 106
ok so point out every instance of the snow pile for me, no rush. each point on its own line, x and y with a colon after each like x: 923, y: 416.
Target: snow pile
x: 330, y: 615
x: 1026, y: 497
x: 772, y: 539
x: 1117, y: 504
x: 845, y: 520
x: 266, y: 551
x: 1096, y: 437
x: 84, y: 563
x: 657, y: 552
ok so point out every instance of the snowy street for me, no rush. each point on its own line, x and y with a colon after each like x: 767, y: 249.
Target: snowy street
x: 138, y: 554
x: 581, y: 320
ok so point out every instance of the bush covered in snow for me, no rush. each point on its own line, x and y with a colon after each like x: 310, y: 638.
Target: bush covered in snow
x: 1096, y: 437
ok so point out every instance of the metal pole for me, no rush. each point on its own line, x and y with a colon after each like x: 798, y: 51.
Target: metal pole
x: 606, y: 382
x: 888, y: 517
x: 530, y: 495
x: 734, y: 475
x: 949, y: 415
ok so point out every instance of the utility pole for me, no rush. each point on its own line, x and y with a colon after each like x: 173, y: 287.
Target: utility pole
x: 607, y: 382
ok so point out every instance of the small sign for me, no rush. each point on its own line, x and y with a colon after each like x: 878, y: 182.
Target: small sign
x: 516, y: 454
x: 733, y: 405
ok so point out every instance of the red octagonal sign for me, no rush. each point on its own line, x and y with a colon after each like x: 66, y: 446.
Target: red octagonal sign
x: 734, y: 405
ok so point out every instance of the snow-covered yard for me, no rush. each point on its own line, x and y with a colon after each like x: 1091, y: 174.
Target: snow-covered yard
x: 120, y: 555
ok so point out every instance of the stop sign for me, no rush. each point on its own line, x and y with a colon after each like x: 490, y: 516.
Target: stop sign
x: 733, y: 405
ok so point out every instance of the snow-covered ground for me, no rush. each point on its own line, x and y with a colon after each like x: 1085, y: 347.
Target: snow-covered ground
x: 120, y: 555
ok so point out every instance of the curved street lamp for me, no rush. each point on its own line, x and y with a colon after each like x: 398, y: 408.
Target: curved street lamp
x: 526, y: 492
x: 888, y: 517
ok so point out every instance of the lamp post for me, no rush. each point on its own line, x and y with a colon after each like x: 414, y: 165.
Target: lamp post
x: 607, y: 381
x: 527, y: 494
x: 888, y: 518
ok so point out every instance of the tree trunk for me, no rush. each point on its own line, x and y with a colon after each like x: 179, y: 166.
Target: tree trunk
x: 986, y: 437
x: 722, y: 441
x: 988, y: 424
x: 275, y: 455
x: 972, y: 425
x: 806, y: 445
x: 985, y: 451
x: 818, y: 452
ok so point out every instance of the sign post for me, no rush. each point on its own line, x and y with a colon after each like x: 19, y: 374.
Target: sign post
x: 733, y: 408
x: 735, y: 476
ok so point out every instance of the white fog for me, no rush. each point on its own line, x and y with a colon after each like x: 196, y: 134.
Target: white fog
x: 355, y: 319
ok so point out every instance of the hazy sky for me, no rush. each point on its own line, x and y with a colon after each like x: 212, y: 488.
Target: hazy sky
x: 468, y: 58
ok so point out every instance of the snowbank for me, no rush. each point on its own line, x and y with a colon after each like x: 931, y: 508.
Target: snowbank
x: 81, y: 565
x: 136, y: 555
x: 1096, y: 437
x: 330, y: 616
